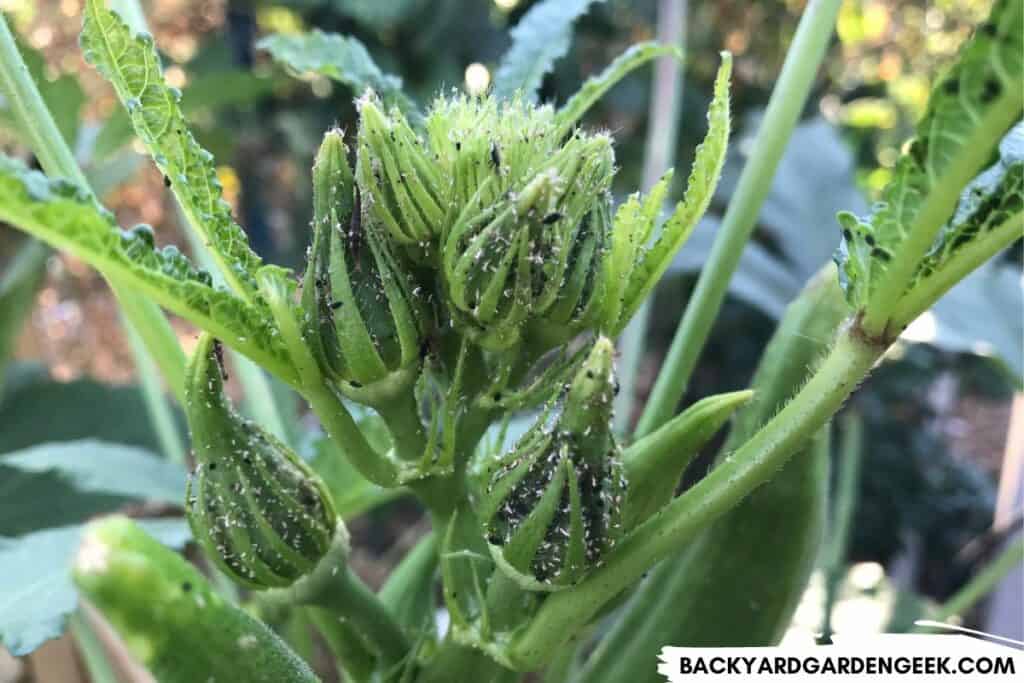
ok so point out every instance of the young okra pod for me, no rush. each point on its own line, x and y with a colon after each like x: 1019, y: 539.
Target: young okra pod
x: 551, y: 506
x: 259, y: 512
x: 170, y: 618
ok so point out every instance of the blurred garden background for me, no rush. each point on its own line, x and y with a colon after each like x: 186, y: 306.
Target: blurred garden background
x: 936, y: 496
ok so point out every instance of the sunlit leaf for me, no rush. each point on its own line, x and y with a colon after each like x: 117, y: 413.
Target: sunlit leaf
x: 130, y: 62
x: 340, y: 58
x: 987, y: 77
x: 541, y: 38
x: 60, y: 215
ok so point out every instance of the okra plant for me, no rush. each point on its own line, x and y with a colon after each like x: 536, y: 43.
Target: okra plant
x: 467, y: 265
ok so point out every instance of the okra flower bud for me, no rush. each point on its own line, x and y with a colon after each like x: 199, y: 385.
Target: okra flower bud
x: 551, y: 506
x: 259, y: 512
x: 361, y: 303
x: 508, y: 261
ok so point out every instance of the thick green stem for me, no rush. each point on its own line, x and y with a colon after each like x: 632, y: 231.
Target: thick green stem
x: 938, y: 206
x: 334, y: 587
x: 403, y: 420
x: 754, y: 463
x: 784, y: 107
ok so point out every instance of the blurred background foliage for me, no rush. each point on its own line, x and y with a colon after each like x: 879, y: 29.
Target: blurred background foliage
x: 936, y: 415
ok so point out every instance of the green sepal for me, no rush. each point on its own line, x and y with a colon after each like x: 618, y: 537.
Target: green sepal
x: 655, y: 463
x: 362, y: 304
x: 651, y: 261
x: 551, y: 506
x: 256, y: 508
x: 170, y: 618
x: 402, y: 187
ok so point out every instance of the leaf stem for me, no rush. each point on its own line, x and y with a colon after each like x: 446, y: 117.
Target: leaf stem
x: 754, y: 463
x: 972, y: 255
x: 784, y: 108
x: 938, y: 206
x: 833, y: 562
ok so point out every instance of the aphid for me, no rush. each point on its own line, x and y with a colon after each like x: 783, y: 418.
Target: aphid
x: 218, y: 350
x: 552, y: 217
x: 495, y: 155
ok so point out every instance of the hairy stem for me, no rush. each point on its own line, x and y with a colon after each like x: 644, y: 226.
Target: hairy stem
x: 333, y: 587
x: 754, y: 463
x: 784, y: 107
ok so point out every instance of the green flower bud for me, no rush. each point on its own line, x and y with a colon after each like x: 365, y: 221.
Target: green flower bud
x: 508, y: 261
x: 362, y: 305
x: 551, y: 506
x: 259, y: 512
x: 402, y: 188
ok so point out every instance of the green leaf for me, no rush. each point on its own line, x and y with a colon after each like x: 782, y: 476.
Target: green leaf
x: 57, y: 213
x: 133, y: 67
x: 209, y: 91
x: 32, y: 501
x: 707, y: 167
x: 87, y: 409
x: 596, y: 86
x: 984, y: 81
x: 36, y: 595
x: 541, y: 38
x: 985, y: 204
x: 340, y: 58
x: 92, y: 466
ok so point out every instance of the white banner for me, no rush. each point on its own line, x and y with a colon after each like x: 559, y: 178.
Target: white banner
x: 917, y: 657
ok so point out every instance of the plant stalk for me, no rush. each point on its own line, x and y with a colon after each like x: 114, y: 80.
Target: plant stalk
x: 784, y: 108
x: 333, y: 587
x: 847, y: 482
x: 972, y: 255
